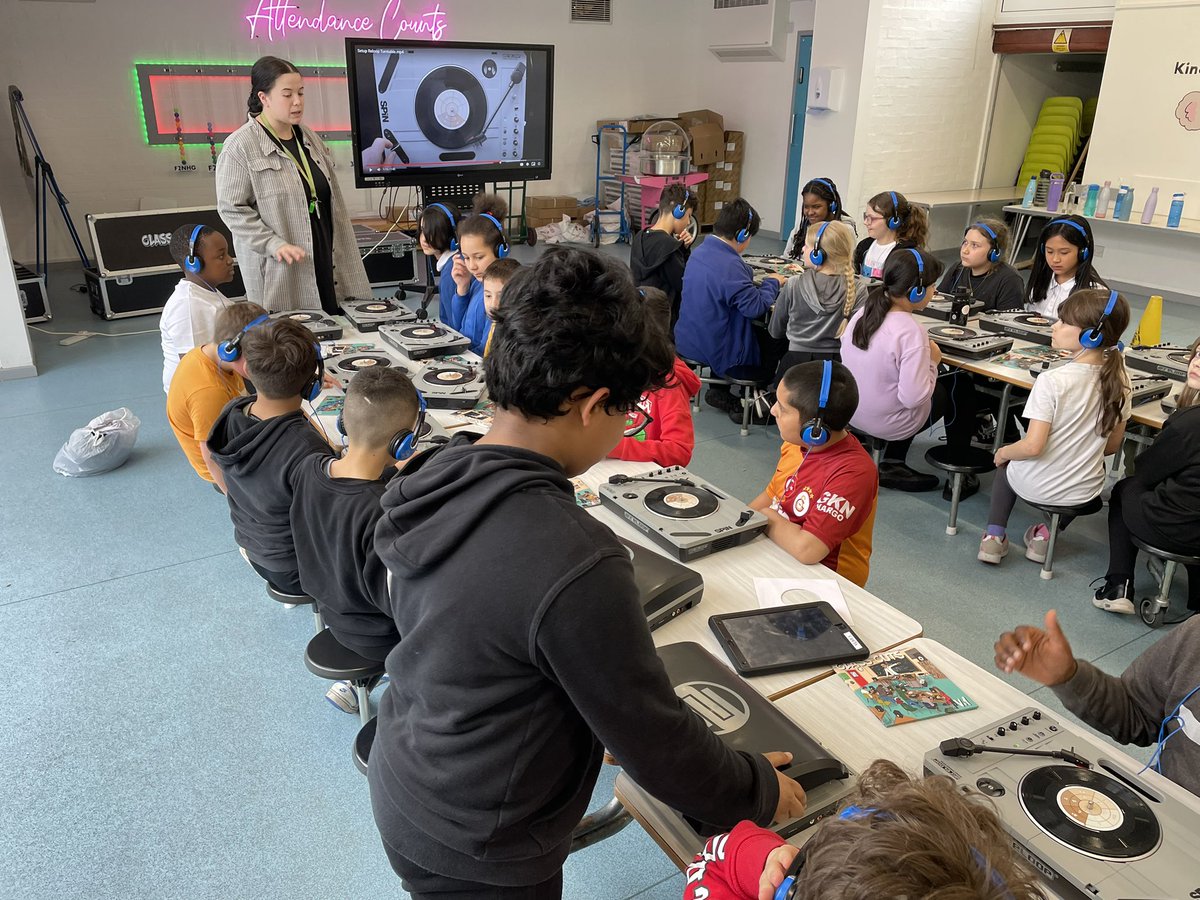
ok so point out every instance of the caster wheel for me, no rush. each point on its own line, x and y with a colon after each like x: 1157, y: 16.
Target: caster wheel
x: 1152, y: 614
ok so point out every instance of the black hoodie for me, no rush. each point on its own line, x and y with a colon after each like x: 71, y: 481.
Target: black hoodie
x: 258, y: 458
x: 657, y: 260
x: 524, y: 652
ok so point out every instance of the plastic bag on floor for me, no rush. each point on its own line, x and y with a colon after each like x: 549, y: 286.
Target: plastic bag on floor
x: 564, y: 232
x: 103, y: 445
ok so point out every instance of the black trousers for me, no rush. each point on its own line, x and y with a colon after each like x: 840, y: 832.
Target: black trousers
x: 1126, y: 518
x: 796, y: 357
x: 954, y: 401
x: 284, y: 582
x: 422, y: 884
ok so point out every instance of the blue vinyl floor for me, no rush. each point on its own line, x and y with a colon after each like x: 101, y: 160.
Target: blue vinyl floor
x: 160, y: 735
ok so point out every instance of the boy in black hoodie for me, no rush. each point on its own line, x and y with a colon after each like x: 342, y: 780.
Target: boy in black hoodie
x: 524, y: 649
x: 259, y: 440
x: 659, y: 253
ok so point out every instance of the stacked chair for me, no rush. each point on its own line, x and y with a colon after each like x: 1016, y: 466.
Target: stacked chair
x: 1056, y: 139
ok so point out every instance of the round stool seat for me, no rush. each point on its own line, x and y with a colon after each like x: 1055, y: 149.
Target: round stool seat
x: 971, y: 461
x: 1181, y: 558
x: 363, y: 742
x: 693, y: 363
x: 1083, y: 509
x: 327, y: 658
x: 289, y: 599
x: 748, y: 376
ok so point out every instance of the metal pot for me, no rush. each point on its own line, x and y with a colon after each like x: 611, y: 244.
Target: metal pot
x: 665, y: 164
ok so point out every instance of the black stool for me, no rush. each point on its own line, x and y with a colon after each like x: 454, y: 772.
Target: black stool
x: 711, y: 378
x: 1056, y: 513
x: 873, y: 445
x: 363, y: 742
x: 754, y: 381
x: 1153, y: 610
x: 327, y: 658
x: 291, y: 601
x: 956, y: 464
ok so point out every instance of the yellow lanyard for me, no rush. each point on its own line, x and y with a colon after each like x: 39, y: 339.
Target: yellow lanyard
x: 301, y: 164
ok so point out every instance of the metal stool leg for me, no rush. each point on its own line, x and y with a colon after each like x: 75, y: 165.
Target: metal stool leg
x: 747, y: 405
x: 364, y: 701
x: 1048, y: 566
x: 955, y: 490
x: 603, y: 823
x: 1164, y: 589
x: 318, y: 621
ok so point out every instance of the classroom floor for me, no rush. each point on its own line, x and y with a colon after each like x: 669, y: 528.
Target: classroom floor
x: 161, y: 736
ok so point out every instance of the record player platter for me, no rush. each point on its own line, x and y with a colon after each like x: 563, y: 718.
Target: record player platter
x: 681, y: 502
x: 422, y: 332
x: 447, y: 375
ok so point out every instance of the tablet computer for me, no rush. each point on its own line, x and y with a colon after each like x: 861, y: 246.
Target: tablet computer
x: 786, y: 637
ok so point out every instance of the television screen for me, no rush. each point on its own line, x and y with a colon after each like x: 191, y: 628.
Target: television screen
x: 436, y: 113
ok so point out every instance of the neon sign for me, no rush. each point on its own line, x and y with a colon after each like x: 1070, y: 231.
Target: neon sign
x: 277, y: 19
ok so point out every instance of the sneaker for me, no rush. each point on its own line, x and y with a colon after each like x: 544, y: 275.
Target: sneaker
x: 1037, y: 538
x: 1115, y: 596
x: 342, y: 696
x: 756, y: 418
x: 970, y: 487
x: 985, y: 432
x: 722, y: 400
x: 992, y: 549
x: 899, y: 477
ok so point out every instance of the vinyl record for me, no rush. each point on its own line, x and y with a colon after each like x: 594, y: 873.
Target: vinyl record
x: 1035, y: 321
x: 422, y: 332
x: 448, y: 376
x: 376, y: 307
x: 954, y: 332
x: 426, y: 427
x: 305, y: 318
x: 1090, y: 812
x: 679, y: 502
x: 1182, y: 357
x: 363, y: 361
x: 451, y: 107
x: 773, y: 260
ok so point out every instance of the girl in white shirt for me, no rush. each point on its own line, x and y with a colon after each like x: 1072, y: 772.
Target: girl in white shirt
x: 891, y: 222
x: 1077, y: 414
x: 1062, y: 265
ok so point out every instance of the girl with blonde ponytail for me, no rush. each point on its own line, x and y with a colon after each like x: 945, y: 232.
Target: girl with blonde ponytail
x: 814, y: 307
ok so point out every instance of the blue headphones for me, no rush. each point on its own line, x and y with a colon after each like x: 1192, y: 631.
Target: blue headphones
x: 403, y: 442
x: 815, y: 434
x: 817, y: 256
x: 744, y: 235
x: 502, y: 247
x: 680, y: 209
x: 833, y: 204
x: 231, y: 350
x: 1086, y: 251
x: 312, y: 387
x: 193, y: 263
x: 894, y: 220
x: 453, y: 224
x: 917, y: 294
x: 1094, y: 337
x: 994, y: 253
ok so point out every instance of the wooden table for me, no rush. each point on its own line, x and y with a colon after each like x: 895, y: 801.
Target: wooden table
x: 961, y: 208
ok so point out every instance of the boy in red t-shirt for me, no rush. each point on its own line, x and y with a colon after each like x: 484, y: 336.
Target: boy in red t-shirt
x: 660, y: 428
x: 820, y: 504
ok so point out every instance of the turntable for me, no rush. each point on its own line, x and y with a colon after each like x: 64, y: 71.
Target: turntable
x: 685, y: 515
x: 424, y: 340
x: 1148, y: 387
x: 1023, y: 325
x: 968, y: 343
x: 344, y: 368
x: 368, y: 315
x: 450, y: 384
x: 456, y: 105
x: 666, y: 587
x: 432, y: 434
x: 1164, y: 359
x: 762, y: 266
x: 950, y: 308
x: 1090, y: 827
x: 315, y: 320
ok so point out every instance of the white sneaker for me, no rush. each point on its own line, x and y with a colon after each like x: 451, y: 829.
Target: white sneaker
x: 343, y: 696
x: 1115, y: 598
x: 992, y: 549
x: 1036, y: 543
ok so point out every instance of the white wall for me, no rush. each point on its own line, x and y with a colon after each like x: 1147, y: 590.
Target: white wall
x: 16, y: 356
x: 74, y: 63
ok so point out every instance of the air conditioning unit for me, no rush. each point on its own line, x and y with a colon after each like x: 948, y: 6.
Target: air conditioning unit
x: 747, y: 30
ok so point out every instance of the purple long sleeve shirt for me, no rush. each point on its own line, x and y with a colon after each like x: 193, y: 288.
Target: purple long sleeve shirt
x: 895, y: 376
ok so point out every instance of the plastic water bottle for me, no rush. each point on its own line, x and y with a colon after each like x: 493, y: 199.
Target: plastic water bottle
x: 1089, y: 205
x: 1122, y: 199
x: 1176, y: 211
x: 1054, y: 194
x: 1043, y: 188
x: 1102, y: 203
x: 1030, y: 191
x: 1127, y: 206
x: 1151, y: 205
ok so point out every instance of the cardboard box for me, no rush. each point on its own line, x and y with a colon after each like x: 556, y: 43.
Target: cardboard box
x: 735, y: 146
x: 706, y: 128
x: 561, y: 201
x: 637, y: 125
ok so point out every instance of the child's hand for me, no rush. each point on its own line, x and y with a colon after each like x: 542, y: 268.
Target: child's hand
x: 685, y: 238
x: 775, y: 869
x: 998, y: 458
x: 1044, y: 656
x: 792, y: 799
x: 782, y: 279
x: 460, y: 274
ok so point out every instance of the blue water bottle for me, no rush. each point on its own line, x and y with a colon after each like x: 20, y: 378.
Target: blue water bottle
x: 1089, y: 205
x: 1176, y: 211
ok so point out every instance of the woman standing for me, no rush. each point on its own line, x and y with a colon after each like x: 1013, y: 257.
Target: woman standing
x: 276, y: 192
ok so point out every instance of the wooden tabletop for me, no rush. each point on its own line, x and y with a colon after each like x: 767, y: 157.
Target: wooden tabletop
x: 964, y: 198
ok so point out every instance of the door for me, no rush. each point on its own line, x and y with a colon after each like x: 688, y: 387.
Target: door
x: 796, y: 134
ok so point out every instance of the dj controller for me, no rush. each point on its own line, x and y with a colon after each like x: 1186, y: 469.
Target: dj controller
x: 968, y: 343
x: 1023, y: 325
x: 1164, y: 359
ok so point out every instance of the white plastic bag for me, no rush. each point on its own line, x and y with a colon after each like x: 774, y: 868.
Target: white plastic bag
x: 102, y: 446
x: 564, y: 232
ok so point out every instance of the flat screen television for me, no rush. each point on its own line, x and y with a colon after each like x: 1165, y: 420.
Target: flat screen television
x: 438, y: 113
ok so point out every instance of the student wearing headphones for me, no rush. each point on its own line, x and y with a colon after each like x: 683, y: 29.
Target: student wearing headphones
x: 659, y: 253
x: 891, y: 222
x: 1062, y: 265
x: 1154, y: 702
x: 189, y: 317
x: 438, y: 236
x: 481, y: 241
x: 819, y: 202
x: 981, y: 268
x: 820, y: 503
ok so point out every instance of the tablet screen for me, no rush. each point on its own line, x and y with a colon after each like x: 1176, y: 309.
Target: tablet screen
x: 771, y: 639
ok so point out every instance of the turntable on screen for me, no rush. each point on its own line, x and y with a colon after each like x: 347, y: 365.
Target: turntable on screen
x: 368, y: 315
x: 315, y: 320
x: 424, y: 340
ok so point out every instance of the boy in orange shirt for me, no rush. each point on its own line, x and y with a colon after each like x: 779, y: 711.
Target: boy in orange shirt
x: 820, y: 504
x: 201, y: 386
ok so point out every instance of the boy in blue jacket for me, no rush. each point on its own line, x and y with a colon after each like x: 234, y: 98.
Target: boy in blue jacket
x: 721, y: 301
